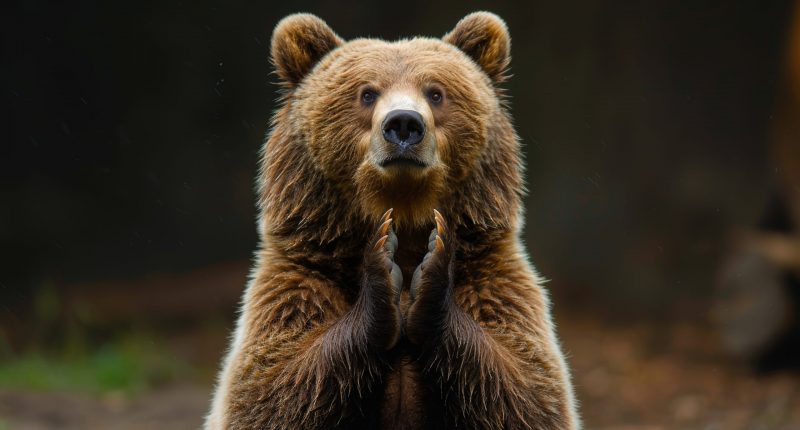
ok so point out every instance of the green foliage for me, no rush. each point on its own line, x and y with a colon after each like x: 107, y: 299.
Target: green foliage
x: 129, y: 366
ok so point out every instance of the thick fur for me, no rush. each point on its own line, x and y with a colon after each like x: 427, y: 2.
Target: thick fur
x: 330, y: 334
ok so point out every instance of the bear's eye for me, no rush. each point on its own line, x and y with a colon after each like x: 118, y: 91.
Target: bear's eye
x: 435, y: 96
x: 368, y: 97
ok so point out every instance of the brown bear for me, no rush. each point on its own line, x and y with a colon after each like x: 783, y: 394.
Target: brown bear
x: 357, y: 317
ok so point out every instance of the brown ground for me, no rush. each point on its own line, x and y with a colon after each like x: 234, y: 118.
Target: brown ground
x: 654, y: 377
x: 640, y: 376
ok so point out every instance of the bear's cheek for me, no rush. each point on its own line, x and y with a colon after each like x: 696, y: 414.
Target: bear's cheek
x: 444, y: 146
x: 339, y: 150
x: 461, y: 141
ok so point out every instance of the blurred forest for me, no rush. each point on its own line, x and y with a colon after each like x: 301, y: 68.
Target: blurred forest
x: 662, y: 144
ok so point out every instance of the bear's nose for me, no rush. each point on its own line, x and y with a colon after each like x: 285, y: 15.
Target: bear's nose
x: 403, y: 127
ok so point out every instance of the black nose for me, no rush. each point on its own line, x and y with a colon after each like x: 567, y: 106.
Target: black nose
x: 403, y: 127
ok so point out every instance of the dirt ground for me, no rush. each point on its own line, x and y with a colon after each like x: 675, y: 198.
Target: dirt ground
x: 636, y: 376
x: 672, y: 377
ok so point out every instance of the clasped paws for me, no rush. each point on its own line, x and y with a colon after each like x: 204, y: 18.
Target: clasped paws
x: 429, y: 288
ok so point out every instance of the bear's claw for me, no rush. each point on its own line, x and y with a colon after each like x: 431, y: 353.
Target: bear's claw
x: 436, y: 248
x: 386, y: 245
x: 387, y: 241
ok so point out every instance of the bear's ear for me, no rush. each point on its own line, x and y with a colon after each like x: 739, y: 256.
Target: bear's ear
x: 298, y: 43
x: 484, y: 37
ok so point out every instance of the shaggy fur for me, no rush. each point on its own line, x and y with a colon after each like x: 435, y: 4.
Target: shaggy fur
x: 357, y: 317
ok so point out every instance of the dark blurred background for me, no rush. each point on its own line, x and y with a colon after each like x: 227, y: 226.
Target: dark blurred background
x: 660, y: 140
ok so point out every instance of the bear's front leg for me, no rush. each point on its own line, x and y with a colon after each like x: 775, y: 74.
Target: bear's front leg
x: 431, y: 288
x: 379, y: 297
x: 306, y: 361
x: 497, y: 372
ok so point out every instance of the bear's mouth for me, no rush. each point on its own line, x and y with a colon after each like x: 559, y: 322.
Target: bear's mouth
x: 405, y: 160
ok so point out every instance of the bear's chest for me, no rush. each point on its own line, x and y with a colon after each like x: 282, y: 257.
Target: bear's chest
x: 413, y: 247
x: 403, y: 402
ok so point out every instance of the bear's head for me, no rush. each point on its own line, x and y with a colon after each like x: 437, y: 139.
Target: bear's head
x: 413, y: 125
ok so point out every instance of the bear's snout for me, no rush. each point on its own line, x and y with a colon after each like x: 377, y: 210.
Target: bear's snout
x: 403, y: 128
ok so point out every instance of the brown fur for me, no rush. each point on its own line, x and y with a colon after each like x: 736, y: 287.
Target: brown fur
x: 328, y: 337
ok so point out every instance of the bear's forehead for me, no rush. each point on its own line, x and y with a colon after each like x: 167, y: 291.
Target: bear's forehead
x: 417, y: 44
x: 376, y: 59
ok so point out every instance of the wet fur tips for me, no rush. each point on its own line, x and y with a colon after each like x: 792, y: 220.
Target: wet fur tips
x: 391, y: 289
